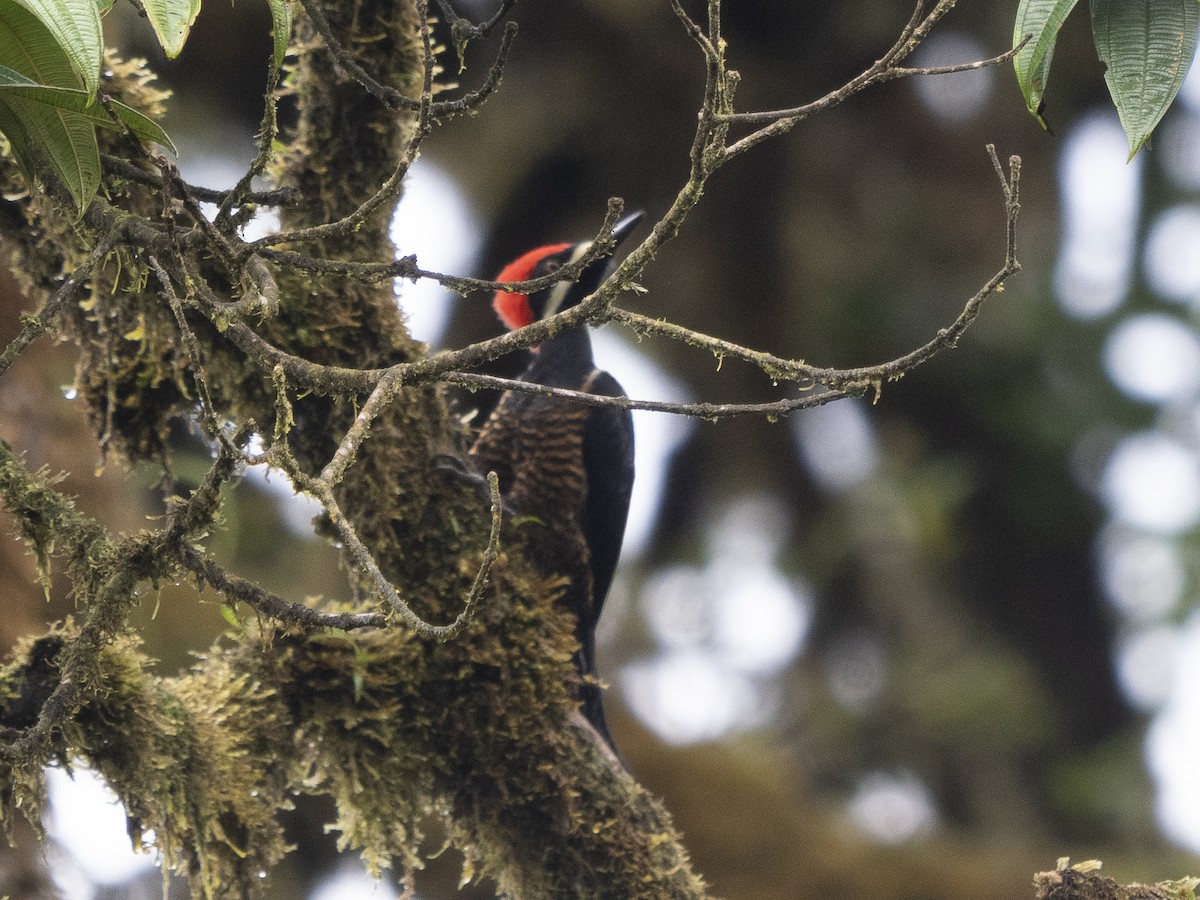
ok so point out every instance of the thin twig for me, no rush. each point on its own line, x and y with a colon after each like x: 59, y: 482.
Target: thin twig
x: 384, y: 393
x: 708, y: 411
x: 695, y: 32
x: 268, y: 130
x: 472, y: 100
x: 886, y: 68
x: 123, y: 167
x: 188, y: 519
x: 406, y: 267
x: 448, y: 366
x: 871, y: 77
x: 365, y: 562
x: 192, y: 346
x: 397, y: 99
x: 43, y: 320
x: 468, y: 30
x: 239, y: 590
x: 389, y: 191
x: 219, y: 241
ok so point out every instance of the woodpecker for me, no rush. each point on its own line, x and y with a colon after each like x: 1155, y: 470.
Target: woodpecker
x: 566, y: 465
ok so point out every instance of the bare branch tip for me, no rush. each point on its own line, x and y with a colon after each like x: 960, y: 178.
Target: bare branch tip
x: 490, y: 554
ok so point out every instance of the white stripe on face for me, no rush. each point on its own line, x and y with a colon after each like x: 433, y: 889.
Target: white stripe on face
x: 558, y: 293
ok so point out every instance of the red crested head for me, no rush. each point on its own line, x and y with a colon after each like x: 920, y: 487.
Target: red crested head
x: 515, y: 310
x: 518, y: 310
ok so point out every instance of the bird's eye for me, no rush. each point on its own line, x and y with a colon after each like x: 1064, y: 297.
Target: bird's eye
x: 546, y: 266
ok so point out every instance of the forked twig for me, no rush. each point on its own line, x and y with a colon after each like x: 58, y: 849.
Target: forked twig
x: 43, y: 320
x: 323, y: 492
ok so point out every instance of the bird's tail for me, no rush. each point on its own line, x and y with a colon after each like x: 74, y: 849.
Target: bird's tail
x: 591, y: 694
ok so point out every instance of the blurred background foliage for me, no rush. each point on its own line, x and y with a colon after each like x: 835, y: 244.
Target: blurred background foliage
x: 912, y: 648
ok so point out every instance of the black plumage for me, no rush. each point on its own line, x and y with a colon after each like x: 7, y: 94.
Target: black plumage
x: 566, y: 465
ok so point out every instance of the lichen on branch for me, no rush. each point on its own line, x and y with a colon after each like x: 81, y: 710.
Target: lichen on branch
x: 445, y: 687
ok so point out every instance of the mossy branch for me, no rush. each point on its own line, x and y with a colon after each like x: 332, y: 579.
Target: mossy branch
x: 476, y: 720
x: 1083, y: 881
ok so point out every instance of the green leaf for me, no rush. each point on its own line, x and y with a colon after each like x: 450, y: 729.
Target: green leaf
x: 37, y: 131
x: 1147, y: 46
x: 229, y: 614
x: 75, y: 27
x: 28, y: 46
x: 172, y: 20
x: 281, y: 27
x: 1041, y: 20
x: 66, y: 141
x: 18, y: 140
x: 140, y: 124
x: 76, y: 101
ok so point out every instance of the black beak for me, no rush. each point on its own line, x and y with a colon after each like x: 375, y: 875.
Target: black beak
x: 623, y: 228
